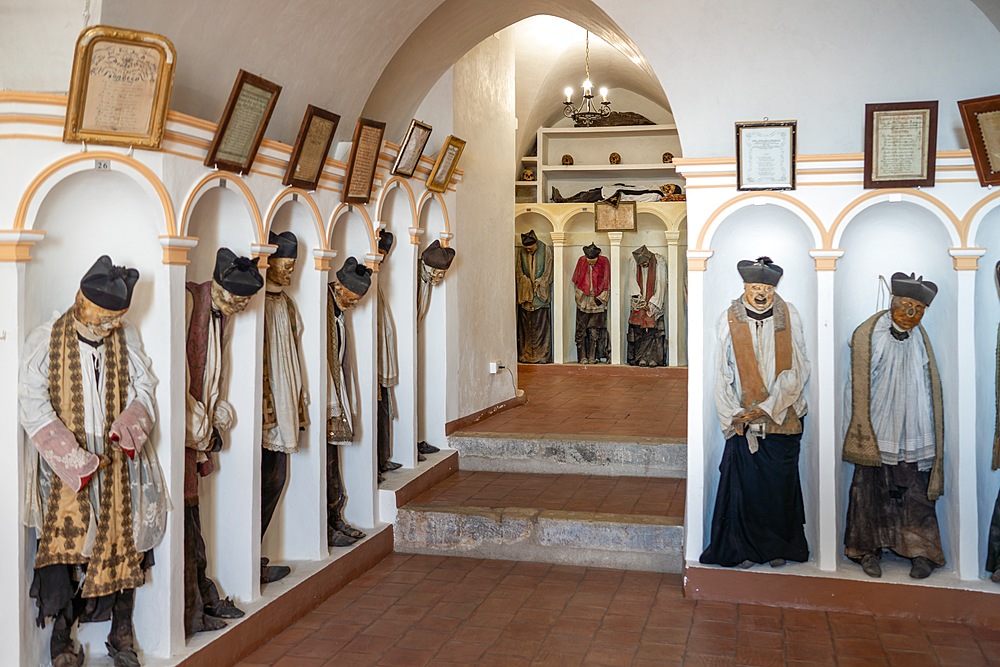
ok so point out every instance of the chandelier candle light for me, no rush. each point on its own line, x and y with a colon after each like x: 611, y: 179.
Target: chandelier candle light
x: 586, y: 114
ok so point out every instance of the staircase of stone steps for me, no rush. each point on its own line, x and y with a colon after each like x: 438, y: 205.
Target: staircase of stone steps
x: 558, y: 481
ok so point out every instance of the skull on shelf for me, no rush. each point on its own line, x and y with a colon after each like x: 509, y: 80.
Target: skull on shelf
x: 567, y: 159
x: 615, y: 158
x: 668, y: 157
x: 527, y: 175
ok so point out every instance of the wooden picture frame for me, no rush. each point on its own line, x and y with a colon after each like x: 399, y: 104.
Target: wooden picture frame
x: 363, y: 161
x: 445, y: 164
x: 312, y: 145
x: 611, y: 218
x: 981, y: 118
x: 900, y: 144
x: 241, y: 129
x: 765, y: 155
x: 412, y: 148
x: 120, y: 87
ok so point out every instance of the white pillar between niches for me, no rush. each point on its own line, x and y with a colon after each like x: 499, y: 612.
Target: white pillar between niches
x: 824, y: 379
x: 694, y: 519
x: 558, y: 297
x: 615, y: 310
x: 401, y: 295
x: 963, y: 457
x: 16, y: 617
x: 675, y: 288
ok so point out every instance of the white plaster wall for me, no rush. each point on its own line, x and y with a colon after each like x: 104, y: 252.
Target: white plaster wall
x: 48, y: 30
x: 483, y: 225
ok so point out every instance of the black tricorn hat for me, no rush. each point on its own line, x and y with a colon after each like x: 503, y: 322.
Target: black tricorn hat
x: 109, y: 286
x: 438, y: 257
x: 910, y: 286
x: 642, y: 254
x: 762, y: 271
x: 591, y: 251
x: 529, y: 239
x: 355, y: 277
x: 288, y: 245
x: 385, y: 240
x: 237, y: 275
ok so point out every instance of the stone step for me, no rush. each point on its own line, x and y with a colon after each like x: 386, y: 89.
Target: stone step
x: 618, y: 541
x: 575, y: 454
x: 632, y: 523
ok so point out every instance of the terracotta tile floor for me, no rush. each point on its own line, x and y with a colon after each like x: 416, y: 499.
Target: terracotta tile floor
x: 595, y: 404
x: 432, y: 610
x: 571, y: 493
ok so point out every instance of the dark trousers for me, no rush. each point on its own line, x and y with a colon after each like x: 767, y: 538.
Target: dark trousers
x: 384, y: 428
x: 993, y: 542
x: 199, y: 590
x: 889, y: 509
x: 273, y: 472
x: 336, y: 498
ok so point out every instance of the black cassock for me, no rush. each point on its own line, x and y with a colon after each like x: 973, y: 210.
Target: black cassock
x: 758, y: 510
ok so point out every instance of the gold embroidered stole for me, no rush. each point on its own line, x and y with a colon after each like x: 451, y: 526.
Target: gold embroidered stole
x: 753, y: 391
x: 114, y: 563
x: 269, y: 418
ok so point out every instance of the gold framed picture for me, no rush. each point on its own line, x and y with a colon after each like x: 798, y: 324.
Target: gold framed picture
x: 311, y: 148
x: 364, y: 159
x: 412, y: 148
x: 900, y: 144
x: 611, y: 218
x: 243, y: 122
x: 120, y: 88
x: 981, y: 118
x: 445, y: 165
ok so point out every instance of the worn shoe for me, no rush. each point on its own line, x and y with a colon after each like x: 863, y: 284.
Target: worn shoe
x: 335, y: 538
x: 211, y: 624
x: 777, y: 562
x: 747, y: 564
x: 223, y: 608
x: 871, y: 566
x: 272, y: 573
x: 69, y: 659
x: 421, y: 457
x: 426, y: 448
x: 347, y: 529
x: 126, y: 657
x: 392, y: 465
x: 921, y: 568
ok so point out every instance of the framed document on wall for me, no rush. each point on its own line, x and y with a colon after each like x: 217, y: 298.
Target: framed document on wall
x: 981, y: 117
x: 611, y: 218
x: 412, y: 148
x: 900, y: 144
x: 242, y: 126
x: 765, y: 155
x: 445, y: 165
x: 364, y: 158
x: 120, y: 88
x: 311, y: 148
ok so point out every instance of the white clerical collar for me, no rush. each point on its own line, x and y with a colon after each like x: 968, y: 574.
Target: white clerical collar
x: 272, y: 288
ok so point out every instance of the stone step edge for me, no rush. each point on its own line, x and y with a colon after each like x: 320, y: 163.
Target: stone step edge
x: 615, y: 541
x: 568, y: 438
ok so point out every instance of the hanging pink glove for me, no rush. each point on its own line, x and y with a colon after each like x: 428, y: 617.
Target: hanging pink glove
x: 58, y: 446
x: 131, y: 429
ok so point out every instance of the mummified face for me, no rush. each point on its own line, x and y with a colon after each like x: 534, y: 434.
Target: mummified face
x: 92, y: 321
x: 345, y: 298
x: 759, y: 295
x: 279, y: 271
x: 437, y: 275
x: 906, y: 313
x: 228, y: 303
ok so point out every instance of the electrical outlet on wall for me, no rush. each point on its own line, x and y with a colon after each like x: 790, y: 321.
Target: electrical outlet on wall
x: 496, y: 367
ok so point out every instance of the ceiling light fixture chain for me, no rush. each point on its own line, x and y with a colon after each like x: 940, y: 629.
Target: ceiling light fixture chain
x: 587, y: 113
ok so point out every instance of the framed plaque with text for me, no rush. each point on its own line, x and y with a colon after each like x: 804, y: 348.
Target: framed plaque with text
x: 445, y: 165
x: 363, y: 161
x: 412, y: 148
x: 611, y: 218
x: 981, y: 117
x: 765, y: 155
x: 242, y: 126
x: 311, y: 148
x: 120, y: 88
x: 900, y: 144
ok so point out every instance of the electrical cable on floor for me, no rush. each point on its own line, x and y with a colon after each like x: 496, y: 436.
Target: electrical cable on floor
x: 517, y: 392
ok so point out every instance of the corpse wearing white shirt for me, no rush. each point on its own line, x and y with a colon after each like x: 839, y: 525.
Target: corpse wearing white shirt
x: 209, y: 308
x: 896, y: 435
x: 86, y: 403
x: 759, y: 382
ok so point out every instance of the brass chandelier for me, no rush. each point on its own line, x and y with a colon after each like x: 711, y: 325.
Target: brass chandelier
x: 587, y: 113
